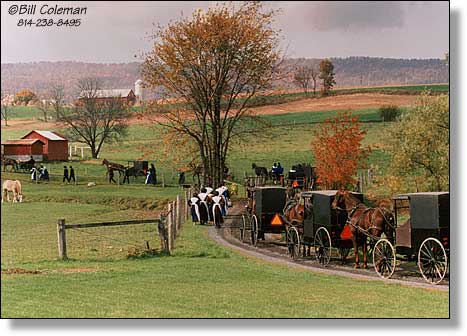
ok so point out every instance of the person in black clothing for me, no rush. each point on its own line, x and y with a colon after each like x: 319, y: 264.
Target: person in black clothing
x: 44, y: 174
x: 65, y: 174
x: 111, y: 176
x: 72, y: 175
x: 152, y: 172
x: 126, y: 176
x: 181, y: 178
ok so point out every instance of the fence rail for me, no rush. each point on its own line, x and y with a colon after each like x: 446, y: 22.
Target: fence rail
x: 169, y: 225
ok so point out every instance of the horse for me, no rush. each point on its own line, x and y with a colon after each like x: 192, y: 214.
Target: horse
x: 15, y: 188
x: 9, y: 162
x: 260, y: 171
x: 295, y: 214
x: 114, y: 166
x: 364, y: 221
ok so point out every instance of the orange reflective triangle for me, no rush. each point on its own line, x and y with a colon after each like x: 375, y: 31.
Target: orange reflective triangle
x: 276, y: 220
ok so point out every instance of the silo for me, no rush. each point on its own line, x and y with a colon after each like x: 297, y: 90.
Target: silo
x: 139, y: 91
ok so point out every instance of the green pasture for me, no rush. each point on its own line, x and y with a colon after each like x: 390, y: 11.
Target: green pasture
x: 287, y: 141
x: 201, y: 279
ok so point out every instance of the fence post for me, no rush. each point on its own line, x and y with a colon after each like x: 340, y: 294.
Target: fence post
x: 169, y: 227
x: 163, y: 233
x: 61, y: 235
x: 174, y: 221
x: 179, y: 213
x: 187, y: 209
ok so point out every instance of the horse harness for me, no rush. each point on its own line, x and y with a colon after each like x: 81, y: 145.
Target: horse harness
x: 358, y: 228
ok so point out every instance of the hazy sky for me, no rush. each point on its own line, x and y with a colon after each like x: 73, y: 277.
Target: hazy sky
x: 117, y: 31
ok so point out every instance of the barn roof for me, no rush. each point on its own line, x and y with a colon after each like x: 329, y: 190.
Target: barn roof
x: 108, y: 93
x: 21, y: 142
x: 48, y: 135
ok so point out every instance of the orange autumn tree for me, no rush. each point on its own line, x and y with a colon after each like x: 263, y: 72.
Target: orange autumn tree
x: 213, y: 64
x: 337, y: 147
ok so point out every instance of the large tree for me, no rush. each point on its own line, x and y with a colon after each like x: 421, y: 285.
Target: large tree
x: 419, y: 142
x: 94, y: 120
x: 326, y: 73
x: 213, y: 63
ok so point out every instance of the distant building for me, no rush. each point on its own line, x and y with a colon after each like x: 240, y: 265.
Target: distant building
x: 23, y: 149
x: 55, y: 145
x: 131, y: 97
x: 127, y: 95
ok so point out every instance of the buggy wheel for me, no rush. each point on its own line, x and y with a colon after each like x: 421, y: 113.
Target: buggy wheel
x: 243, y: 229
x: 384, y: 258
x: 293, y: 243
x: 432, y: 260
x: 254, y: 230
x: 322, y: 245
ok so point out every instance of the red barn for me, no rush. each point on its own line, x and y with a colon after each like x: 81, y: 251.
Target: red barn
x: 22, y: 150
x: 55, y: 145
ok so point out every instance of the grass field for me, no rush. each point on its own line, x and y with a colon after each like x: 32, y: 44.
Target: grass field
x: 201, y: 279
x: 288, y: 142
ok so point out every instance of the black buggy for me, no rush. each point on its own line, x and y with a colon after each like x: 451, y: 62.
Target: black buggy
x: 423, y: 235
x: 263, y: 212
x: 303, y: 177
x: 322, y: 228
x: 137, y: 168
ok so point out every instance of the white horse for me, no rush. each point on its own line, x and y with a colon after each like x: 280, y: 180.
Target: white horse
x: 15, y: 188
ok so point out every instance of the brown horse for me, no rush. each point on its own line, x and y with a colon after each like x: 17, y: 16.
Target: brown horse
x: 114, y: 166
x: 295, y: 213
x: 363, y: 221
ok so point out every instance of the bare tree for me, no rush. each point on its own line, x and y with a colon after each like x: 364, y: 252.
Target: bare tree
x: 302, y: 77
x: 44, y: 106
x: 214, y: 62
x: 57, y: 100
x: 314, y: 73
x: 5, y: 109
x: 95, y: 120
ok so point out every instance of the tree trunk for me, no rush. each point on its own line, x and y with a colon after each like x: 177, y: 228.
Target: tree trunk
x: 94, y: 152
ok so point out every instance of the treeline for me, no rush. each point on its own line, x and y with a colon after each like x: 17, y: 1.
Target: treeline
x: 373, y: 71
x: 350, y: 72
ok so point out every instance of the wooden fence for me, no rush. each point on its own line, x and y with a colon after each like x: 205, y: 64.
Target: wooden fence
x: 169, y: 225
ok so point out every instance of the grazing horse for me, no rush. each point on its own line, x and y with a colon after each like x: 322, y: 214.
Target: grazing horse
x: 15, y: 188
x: 260, y: 171
x: 363, y: 221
